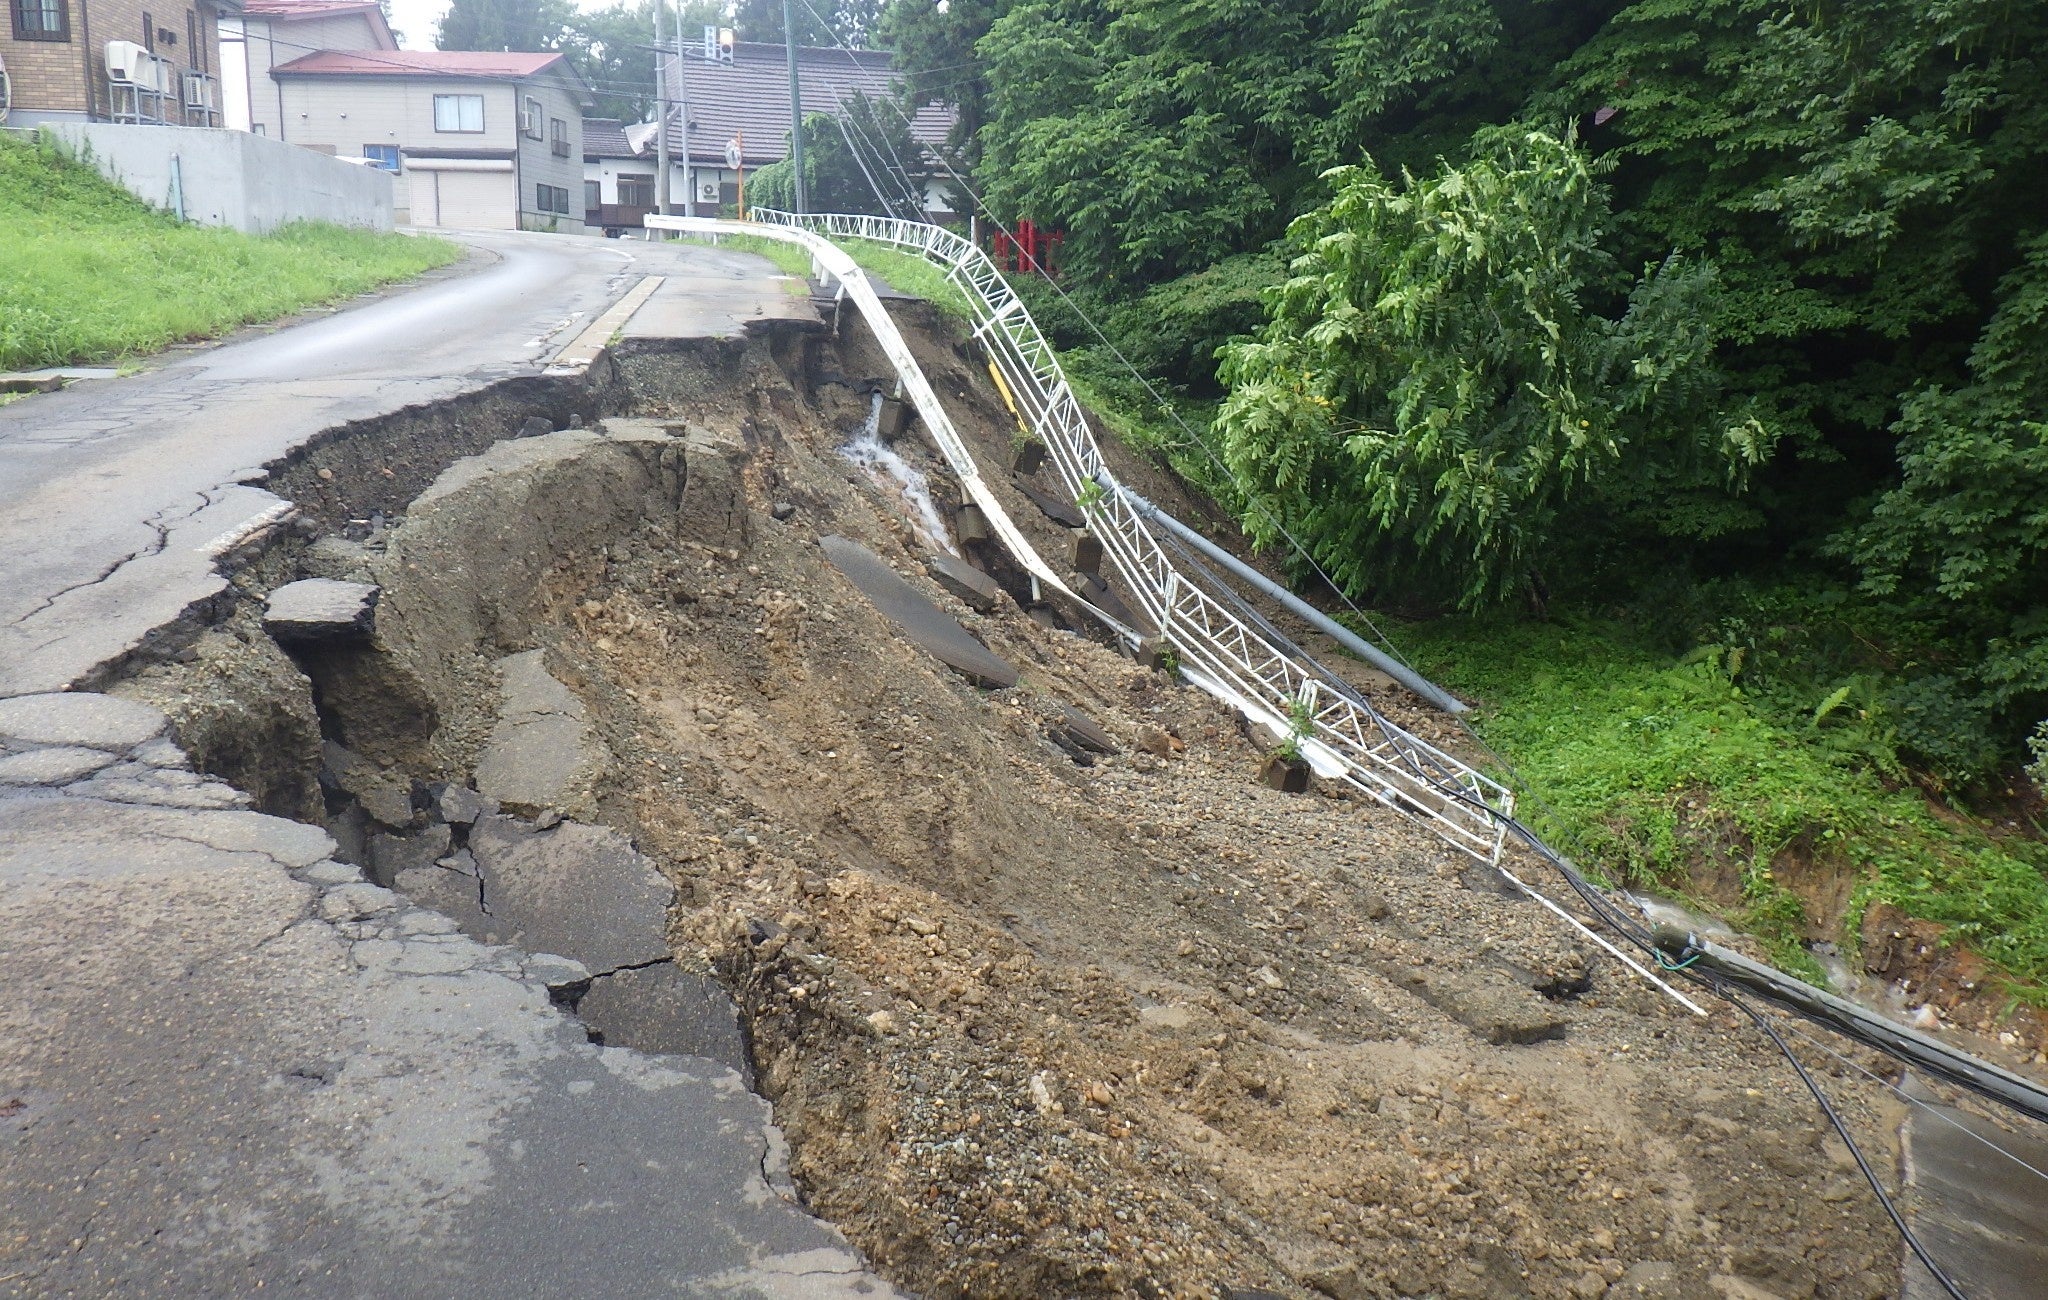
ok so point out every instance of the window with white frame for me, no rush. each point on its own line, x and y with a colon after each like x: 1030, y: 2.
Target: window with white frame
x: 384, y: 157
x: 459, y: 113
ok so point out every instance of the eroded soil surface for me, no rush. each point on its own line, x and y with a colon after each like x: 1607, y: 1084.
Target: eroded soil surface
x: 1045, y: 1022
x: 1146, y: 1027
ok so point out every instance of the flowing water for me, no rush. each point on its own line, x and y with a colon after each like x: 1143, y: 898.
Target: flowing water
x: 866, y: 450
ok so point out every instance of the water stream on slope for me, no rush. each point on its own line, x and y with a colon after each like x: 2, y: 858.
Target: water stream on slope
x: 867, y: 451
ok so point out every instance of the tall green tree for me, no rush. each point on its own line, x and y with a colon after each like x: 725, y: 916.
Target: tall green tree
x: 850, y: 165
x: 612, y: 49
x: 934, y: 49
x: 504, y: 25
x: 826, y: 23
x: 1441, y: 407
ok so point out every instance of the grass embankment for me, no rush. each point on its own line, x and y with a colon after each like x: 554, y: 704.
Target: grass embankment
x: 788, y: 258
x: 1663, y: 771
x: 903, y: 271
x: 89, y: 273
x: 1653, y: 765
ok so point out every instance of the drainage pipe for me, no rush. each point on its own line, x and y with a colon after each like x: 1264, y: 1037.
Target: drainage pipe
x: 1682, y: 950
x: 1429, y: 691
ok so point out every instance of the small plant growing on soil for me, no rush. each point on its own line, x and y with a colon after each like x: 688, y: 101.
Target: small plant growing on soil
x: 1090, y: 499
x: 1285, y: 769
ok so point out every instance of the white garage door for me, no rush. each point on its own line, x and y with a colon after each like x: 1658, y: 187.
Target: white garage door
x: 466, y: 200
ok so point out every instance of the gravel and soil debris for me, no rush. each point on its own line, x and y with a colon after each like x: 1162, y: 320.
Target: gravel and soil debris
x: 1040, y: 1021
x: 1144, y: 1027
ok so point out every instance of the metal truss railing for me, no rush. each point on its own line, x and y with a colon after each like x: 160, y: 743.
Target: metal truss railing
x: 1346, y: 738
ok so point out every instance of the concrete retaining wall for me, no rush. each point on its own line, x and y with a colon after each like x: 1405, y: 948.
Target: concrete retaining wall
x: 231, y: 178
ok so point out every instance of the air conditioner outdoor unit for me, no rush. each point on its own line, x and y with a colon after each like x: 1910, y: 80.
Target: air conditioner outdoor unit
x: 707, y: 191
x: 129, y: 64
x: 198, y: 90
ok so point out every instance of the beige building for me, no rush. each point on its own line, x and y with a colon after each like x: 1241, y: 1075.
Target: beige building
x: 473, y: 139
x: 270, y: 32
x: 113, y: 60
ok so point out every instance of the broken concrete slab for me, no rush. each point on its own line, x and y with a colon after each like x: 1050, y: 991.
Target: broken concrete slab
x: 665, y: 1009
x: 1091, y: 588
x: 975, y: 589
x: 382, y: 794
x: 1492, y: 1006
x: 1087, y: 553
x: 459, y: 805
x: 893, y: 418
x: 1063, y: 513
x: 391, y: 855
x: 452, y: 893
x: 1086, y: 732
x: 542, y: 754
x: 321, y: 609
x: 923, y: 623
x: 714, y: 504
x: 79, y: 718
x: 162, y: 787
x: 581, y: 891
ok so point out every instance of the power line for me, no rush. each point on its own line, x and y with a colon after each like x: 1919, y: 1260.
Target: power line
x: 1939, y: 1112
x: 1842, y: 1130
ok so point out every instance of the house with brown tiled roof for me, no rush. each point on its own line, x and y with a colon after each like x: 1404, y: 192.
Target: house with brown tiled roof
x: 618, y: 179
x: 474, y: 139
x: 744, y: 100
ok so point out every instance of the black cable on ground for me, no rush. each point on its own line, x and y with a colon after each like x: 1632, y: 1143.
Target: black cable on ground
x: 1842, y: 1130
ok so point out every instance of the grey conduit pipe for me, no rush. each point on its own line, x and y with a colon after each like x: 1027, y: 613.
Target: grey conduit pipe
x: 1429, y: 691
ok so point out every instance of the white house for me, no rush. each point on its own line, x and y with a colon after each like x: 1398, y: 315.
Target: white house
x: 270, y: 32
x: 618, y: 179
x: 473, y: 139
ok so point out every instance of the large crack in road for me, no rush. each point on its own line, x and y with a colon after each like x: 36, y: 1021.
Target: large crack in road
x: 1034, y: 1027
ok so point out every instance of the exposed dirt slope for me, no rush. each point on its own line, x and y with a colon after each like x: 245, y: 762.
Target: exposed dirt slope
x: 1037, y: 1024
x: 1144, y: 1027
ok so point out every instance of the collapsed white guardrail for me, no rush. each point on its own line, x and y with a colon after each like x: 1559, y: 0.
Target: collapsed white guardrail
x: 836, y: 264
x: 1345, y: 739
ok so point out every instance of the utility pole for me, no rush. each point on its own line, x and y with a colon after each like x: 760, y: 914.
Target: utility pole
x: 796, y: 109
x: 661, y: 203
x: 683, y: 114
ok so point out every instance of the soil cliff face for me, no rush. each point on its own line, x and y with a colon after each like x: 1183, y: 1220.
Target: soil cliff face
x: 1039, y: 1020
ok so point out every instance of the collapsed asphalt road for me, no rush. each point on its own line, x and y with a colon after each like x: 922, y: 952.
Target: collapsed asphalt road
x: 228, y: 1062
x: 112, y: 491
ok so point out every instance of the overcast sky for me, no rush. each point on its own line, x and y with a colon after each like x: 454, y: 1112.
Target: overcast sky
x: 414, y: 21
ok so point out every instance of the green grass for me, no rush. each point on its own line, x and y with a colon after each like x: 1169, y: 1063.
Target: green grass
x: 789, y: 258
x: 908, y: 273
x: 1637, y: 751
x: 89, y: 273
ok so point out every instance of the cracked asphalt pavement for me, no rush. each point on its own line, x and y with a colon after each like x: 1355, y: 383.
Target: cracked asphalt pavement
x: 227, y: 1061
x: 116, y: 495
